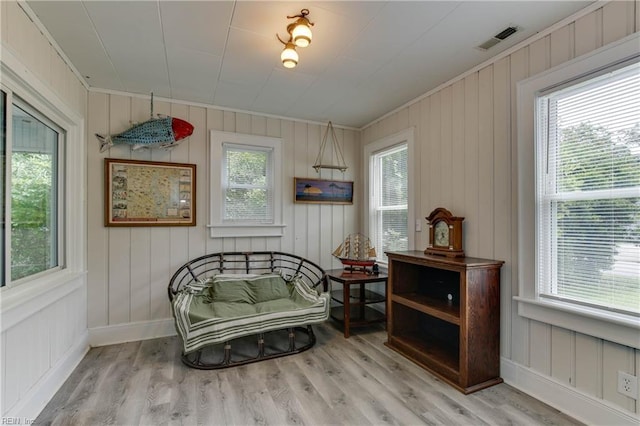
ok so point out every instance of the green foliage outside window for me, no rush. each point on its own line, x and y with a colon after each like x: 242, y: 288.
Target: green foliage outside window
x: 246, y: 198
x: 609, y: 223
x: 394, y: 195
x: 32, y: 224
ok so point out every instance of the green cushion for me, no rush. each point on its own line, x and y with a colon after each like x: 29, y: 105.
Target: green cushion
x: 231, y: 290
x: 232, y: 310
x: 247, y: 289
x: 277, y: 305
x: 268, y: 287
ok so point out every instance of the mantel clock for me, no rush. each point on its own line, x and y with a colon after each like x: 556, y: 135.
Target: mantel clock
x: 445, y: 234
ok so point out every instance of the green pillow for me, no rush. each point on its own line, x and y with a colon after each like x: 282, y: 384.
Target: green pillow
x: 248, y: 289
x: 231, y: 290
x: 268, y: 287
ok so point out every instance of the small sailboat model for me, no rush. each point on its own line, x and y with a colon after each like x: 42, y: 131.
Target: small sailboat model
x: 356, y: 252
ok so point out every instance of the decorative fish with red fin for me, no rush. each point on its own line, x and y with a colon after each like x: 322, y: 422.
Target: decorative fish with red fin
x: 162, y: 132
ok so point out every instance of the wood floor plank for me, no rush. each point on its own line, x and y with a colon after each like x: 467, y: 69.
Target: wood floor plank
x: 211, y: 400
x: 327, y: 389
x: 355, y: 381
x: 356, y: 396
x: 375, y: 401
x: 115, y: 380
x: 79, y: 388
x: 162, y: 361
x: 416, y: 394
x: 253, y: 378
x: 183, y: 404
x: 85, y: 399
x: 237, y: 410
x: 421, y: 384
x: 283, y: 396
x: 314, y: 407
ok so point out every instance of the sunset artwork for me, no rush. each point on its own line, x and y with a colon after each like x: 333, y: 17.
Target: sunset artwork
x: 309, y: 190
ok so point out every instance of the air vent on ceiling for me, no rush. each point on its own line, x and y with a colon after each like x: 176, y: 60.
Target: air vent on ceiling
x: 507, y: 32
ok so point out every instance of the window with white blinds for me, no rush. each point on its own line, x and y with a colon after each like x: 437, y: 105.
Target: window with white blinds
x: 247, y: 183
x: 588, y: 191
x: 389, y: 209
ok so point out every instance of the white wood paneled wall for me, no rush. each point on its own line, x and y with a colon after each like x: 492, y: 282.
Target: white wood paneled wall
x: 41, y: 339
x: 22, y: 38
x: 129, y: 268
x: 34, y: 348
x: 466, y: 162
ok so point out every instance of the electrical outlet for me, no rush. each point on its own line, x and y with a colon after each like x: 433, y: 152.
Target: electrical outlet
x: 627, y: 385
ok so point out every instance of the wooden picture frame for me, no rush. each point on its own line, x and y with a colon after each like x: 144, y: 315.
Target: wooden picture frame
x: 322, y: 191
x: 149, y: 193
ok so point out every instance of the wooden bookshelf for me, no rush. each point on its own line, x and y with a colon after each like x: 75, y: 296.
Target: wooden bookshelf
x: 444, y: 314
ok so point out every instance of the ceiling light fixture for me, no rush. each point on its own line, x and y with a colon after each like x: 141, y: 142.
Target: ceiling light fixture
x: 299, y: 36
x: 289, y: 56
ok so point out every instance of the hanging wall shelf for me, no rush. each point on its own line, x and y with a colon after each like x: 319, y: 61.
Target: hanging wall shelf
x: 341, y: 165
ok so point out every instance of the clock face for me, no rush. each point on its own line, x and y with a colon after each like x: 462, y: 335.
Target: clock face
x: 441, y: 234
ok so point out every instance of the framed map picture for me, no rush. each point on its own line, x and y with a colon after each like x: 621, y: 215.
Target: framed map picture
x: 149, y: 193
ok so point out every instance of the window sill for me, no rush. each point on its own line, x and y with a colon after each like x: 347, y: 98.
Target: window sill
x: 611, y: 326
x: 246, y: 230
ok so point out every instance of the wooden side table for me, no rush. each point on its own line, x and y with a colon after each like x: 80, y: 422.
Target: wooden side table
x: 352, y: 309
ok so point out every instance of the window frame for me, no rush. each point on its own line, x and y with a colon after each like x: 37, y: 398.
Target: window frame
x: 613, y: 326
x: 60, y: 172
x: 218, y: 226
x: 268, y: 187
x: 370, y: 150
x: 19, y: 297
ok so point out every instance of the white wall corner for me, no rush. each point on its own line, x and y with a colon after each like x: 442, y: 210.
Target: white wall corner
x: 579, y: 405
x: 131, y: 332
x: 31, y: 404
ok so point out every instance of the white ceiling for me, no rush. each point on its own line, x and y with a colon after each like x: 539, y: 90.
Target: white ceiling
x: 366, y: 58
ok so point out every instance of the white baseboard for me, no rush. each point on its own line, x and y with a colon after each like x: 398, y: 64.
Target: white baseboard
x: 583, y: 407
x: 131, y: 332
x: 41, y: 393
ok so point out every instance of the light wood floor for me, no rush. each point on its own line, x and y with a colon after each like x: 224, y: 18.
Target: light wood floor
x: 340, y: 381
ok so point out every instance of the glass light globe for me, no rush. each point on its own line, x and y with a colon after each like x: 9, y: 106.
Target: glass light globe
x: 301, y: 33
x: 289, y: 56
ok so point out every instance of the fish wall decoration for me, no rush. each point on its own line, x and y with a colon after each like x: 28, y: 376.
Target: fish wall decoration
x: 162, y: 132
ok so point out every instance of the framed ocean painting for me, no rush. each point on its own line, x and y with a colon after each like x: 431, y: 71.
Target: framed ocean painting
x: 149, y: 193
x: 323, y: 191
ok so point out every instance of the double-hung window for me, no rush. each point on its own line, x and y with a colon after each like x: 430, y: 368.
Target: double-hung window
x: 579, y: 201
x: 246, y: 185
x: 390, y: 218
x: 32, y: 152
x: 588, y: 191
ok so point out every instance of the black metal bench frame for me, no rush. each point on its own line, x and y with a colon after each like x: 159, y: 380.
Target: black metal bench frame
x: 257, y: 262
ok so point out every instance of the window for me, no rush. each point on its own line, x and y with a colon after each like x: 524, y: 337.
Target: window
x: 390, y: 217
x: 3, y: 187
x: 245, y: 185
x: 579, y: 201
x: 389, y: 202
x: 588, y: 191
x: 32, y: 169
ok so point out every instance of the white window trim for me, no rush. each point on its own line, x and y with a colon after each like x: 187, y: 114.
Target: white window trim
x: 61, y: 173
x: 218, y: 228
x: 615, y: 327
x: 404, y: 136
x: 19, y: 297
